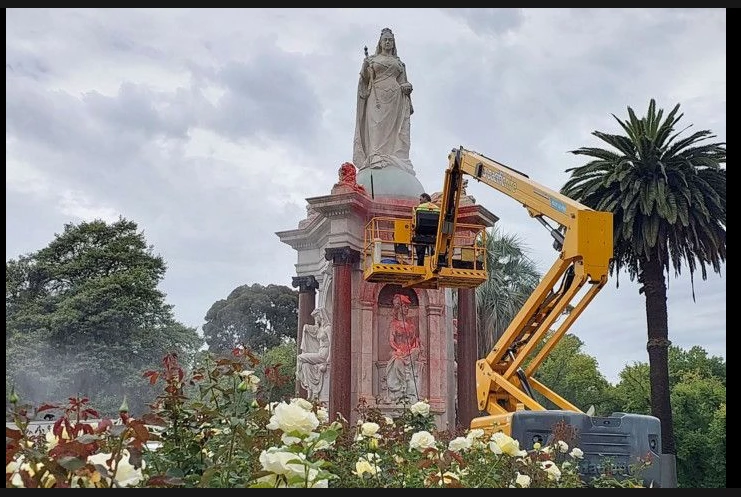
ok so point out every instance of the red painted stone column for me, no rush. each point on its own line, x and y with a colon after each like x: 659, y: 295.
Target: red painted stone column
x: 343, y: 259
x: 467, y: 357
x: 307, y: 286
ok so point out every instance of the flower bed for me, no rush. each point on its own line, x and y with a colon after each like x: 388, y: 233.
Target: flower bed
x: 210, y: 429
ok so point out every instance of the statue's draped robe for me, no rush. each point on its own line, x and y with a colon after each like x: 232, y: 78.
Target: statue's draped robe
x: 404, y: 368
x: 382, y: 127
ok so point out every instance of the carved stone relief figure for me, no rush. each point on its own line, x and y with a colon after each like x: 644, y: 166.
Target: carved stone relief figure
x: 312, y: 364
x: 405, y: 366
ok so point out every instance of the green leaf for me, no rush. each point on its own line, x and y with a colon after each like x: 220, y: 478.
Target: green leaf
x: 71, y: 463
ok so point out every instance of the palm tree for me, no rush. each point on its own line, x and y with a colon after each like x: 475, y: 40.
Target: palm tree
x: 668, y: 199
x: 512, y: 278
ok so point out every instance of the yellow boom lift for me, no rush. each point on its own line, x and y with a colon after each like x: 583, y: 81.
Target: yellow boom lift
x: 505, y: 384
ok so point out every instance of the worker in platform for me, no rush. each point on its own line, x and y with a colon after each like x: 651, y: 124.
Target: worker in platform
x: 425, y: 232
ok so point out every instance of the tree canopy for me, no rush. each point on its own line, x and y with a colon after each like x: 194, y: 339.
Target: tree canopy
x: 254, y: 316
x: 84, y: 315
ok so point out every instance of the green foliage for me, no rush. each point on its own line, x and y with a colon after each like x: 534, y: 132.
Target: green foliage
x: 716, y: 456
x: 698, y: 405
x: 667, y: 193
x: 280, y: 366
x: 573, y: 375
x: 207, y: 440
x: 695, y: 360
x: 698, y: 398
x: 257, y: 317
x: 512, y: 278
x: 633, y: 391
x: 84, y: 316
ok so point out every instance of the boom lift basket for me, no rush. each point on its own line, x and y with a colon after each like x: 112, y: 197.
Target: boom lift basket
x: 390, y: 247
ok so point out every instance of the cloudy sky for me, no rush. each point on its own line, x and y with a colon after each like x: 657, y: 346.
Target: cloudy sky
x: 210, y: 128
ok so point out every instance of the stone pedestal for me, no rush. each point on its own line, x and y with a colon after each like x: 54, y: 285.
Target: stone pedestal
x: 330, y: 246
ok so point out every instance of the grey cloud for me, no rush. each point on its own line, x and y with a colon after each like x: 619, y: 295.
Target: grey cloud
x: 25, y: 64
x: 492, y: 21
x: 133, y: 111
x: 251, y: 104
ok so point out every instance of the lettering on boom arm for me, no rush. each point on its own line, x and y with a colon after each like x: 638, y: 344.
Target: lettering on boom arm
x: 500, y: 179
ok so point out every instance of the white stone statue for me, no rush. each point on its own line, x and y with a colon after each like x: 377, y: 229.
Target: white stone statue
x: 405, y: 366
x: 312, y: 364
x: 383, y: 110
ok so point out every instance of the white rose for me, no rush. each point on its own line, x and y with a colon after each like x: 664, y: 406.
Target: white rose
x: 475, y: 434
x: 302, y: 403
x: 554, y: 474
x: 369, y: 429
x: 282, y: 462
x: 522, y: 480
x: 292, y: 417
x: 422, y: 440
x: 422, y: 408
x: 459, y: 443
x: 495, y: 448
x: 576, y: 453
x: 363, y: 466
x: 289, y: 440
x: 322, y: 415
x: 126, y: 474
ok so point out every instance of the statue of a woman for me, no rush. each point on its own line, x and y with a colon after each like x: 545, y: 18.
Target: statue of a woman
x: 384, y: 107
x: 404, y: 368
x: 312, y: 363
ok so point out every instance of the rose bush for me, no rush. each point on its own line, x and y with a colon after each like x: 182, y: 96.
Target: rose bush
x: 215, y: 427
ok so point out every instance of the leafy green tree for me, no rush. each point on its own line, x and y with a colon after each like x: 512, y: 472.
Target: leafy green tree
x: 257, y: 317
x: 512, y: 278
x: 716, y: 457
x: 695, y: 359
x: 668, y: 198
x: 698, y: 397
x: 573, y: 375
x: 695, y: 403
x: 84, y: 316
x: 633, y: 391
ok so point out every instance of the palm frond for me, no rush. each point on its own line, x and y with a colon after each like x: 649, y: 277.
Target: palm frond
x: 667, y: 191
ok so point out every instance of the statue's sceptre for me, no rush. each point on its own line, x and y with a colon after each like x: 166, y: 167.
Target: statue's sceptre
x: 371, y: 76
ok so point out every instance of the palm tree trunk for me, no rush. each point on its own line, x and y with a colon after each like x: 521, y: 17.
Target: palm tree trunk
x: 654, y: 285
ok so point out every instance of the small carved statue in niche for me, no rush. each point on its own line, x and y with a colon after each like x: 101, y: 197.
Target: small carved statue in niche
x: 404, y: 367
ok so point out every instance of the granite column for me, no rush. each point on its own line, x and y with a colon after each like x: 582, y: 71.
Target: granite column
x: 340, y: 364
x: 467, y: 357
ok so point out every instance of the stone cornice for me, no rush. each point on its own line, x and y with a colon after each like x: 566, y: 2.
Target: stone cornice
x: 311, y: 236
x: 476, y: 214
x: 341, y: 204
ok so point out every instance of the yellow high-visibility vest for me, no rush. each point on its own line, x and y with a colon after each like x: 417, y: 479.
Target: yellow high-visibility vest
x: 426, y: 206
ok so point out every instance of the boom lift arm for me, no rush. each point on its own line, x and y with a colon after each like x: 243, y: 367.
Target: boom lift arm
x: 583, y: 237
